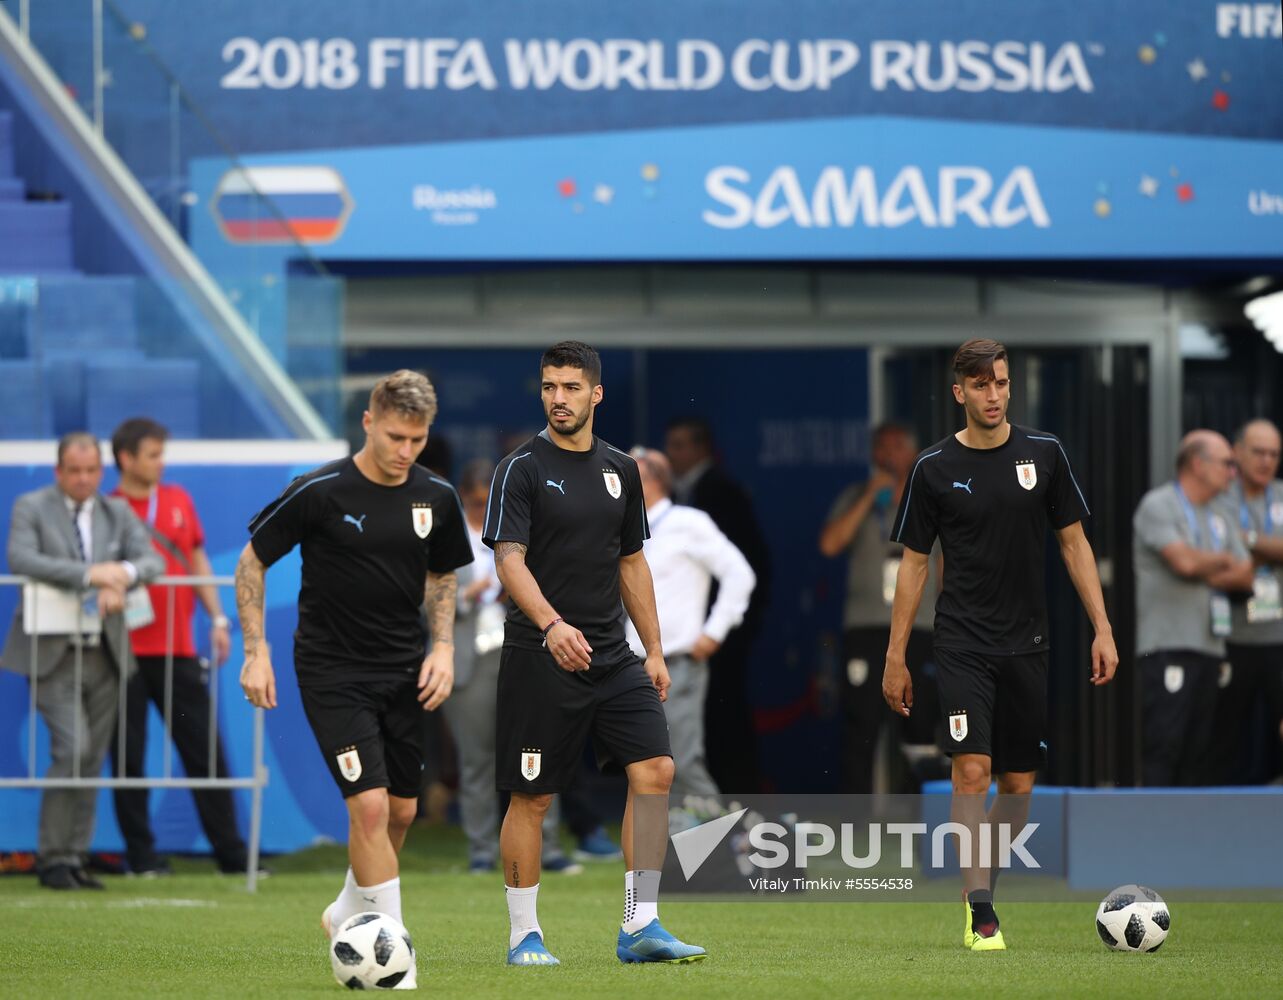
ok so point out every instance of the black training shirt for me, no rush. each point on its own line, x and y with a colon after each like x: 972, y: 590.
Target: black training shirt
x: 990, y: 509
x: 577, y: 513
x: 367, y: 550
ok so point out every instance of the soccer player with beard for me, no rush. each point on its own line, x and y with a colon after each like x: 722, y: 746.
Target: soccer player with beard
x: 988, y: 493
x: 567, y: 520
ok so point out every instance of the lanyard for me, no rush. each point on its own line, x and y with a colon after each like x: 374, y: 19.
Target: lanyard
x: 1192, y: 518
x: 1245, y: 513
x: 152, y: 503
x: 654, y: 525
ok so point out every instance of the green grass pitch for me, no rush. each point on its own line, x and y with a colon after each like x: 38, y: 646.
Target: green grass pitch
x: 197, y: 934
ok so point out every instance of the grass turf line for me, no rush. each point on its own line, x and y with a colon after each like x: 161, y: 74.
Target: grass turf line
x: 198, y: 934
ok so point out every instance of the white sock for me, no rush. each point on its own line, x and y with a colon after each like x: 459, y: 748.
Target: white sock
x: 384, y: 897
x: 641, y: 899
x: 345, y: 903
x: 521, y: 913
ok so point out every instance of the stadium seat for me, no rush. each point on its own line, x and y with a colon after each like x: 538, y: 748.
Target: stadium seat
x: 26, y: 412
x: 6, y: 144
x: 167, y: 390
x: 37, y: 237
x: 87, y: 314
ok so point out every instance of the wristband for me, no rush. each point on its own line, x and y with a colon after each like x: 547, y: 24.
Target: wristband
x: 555, y: 621
x: 220, y: 621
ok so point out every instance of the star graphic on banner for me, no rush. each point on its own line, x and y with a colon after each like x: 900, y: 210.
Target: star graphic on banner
x: 1197, y: 70
x: 1148, y: 186
x: 603, y: 193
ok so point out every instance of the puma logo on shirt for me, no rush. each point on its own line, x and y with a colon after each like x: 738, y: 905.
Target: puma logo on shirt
x: 964, y: 486
x: 359, y: 525
x: 560, y: 487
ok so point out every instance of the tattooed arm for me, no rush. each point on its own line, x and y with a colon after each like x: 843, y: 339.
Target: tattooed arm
x: 436, y: 676
x: 257, y: 678
x: 439, y: 597
x: 565, y: 642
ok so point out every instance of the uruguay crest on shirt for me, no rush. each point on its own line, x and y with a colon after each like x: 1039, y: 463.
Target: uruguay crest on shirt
x: 1027, y: 474
x: 422, y: 515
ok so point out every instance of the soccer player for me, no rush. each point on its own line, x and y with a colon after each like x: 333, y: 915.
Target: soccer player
x: 381, y: 538
x: 567, y: 520
x: 988, y: 493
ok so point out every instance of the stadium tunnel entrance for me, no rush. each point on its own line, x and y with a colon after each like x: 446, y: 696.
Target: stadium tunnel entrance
x: 793, y: 366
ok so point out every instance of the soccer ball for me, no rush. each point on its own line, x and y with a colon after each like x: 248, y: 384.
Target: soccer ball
x: 1133, y: 918
x: 371, y: 951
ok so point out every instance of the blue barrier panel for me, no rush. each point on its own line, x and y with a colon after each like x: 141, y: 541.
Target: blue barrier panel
x: 1204, y: 838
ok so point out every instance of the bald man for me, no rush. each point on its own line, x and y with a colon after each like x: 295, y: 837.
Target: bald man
x: 1188, y: 561
x: 1253, y: 506
x: 686, y: 552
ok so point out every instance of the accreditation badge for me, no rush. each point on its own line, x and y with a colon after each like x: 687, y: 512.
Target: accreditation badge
x: 1220, y: 615
x: 1264, y: 604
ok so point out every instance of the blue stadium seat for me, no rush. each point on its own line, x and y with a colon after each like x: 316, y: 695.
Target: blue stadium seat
x: 37, y: 237
x: 87, y: 314
x: 6, y: 144
x: 17, y: 308
x: 26, y: 411
x: 168, y: 391
x: 12, y: 189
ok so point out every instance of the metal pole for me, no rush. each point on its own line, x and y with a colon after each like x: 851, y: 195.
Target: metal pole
x: 169, y: 681
x: 29, y: 592
x: 122, y: 708
x: 256, y: 804
x: 214, y: 678
x: 175, y: 153
x: 98, y: 115
x: 78, y: 687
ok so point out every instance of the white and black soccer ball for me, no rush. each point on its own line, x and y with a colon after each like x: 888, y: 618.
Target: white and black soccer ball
x: 1133, y: 918
x: 371, y: 951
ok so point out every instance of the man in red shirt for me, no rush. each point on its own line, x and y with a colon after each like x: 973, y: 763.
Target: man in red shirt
x: 170, y: 517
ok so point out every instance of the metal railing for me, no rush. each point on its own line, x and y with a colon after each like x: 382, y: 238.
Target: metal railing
x: 254, y: 783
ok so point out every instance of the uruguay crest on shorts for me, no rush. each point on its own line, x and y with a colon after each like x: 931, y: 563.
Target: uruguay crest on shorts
x: 350, y: 764
x: 613, y: 486
x: 422, y: 515
x: 530, y: 762
x: 1027, y: 474
x: 958, y: 727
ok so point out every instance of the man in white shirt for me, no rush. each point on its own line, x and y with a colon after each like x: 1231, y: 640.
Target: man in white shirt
x: 686, y: 552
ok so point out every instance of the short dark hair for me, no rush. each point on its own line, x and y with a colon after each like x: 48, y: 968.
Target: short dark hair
x: 890, y: 428
x: 130, y: 435
x: 700, y: 430
x: 977, y: 357
x: 76, y: 439
x: 573, y: 354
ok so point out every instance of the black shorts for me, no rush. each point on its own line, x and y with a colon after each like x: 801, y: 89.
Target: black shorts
x: 994, y: 705
x: 546, y: 715
x: 369, y: 733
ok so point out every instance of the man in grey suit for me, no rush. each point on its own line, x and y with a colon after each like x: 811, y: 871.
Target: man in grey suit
x: 70, y: 536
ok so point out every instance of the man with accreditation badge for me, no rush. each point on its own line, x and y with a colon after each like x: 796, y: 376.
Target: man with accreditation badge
x: 1254, y: 503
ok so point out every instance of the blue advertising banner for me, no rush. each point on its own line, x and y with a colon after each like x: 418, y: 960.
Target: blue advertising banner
x: 404, y: 129
x: 841, y: 188
x: 302, y: 73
